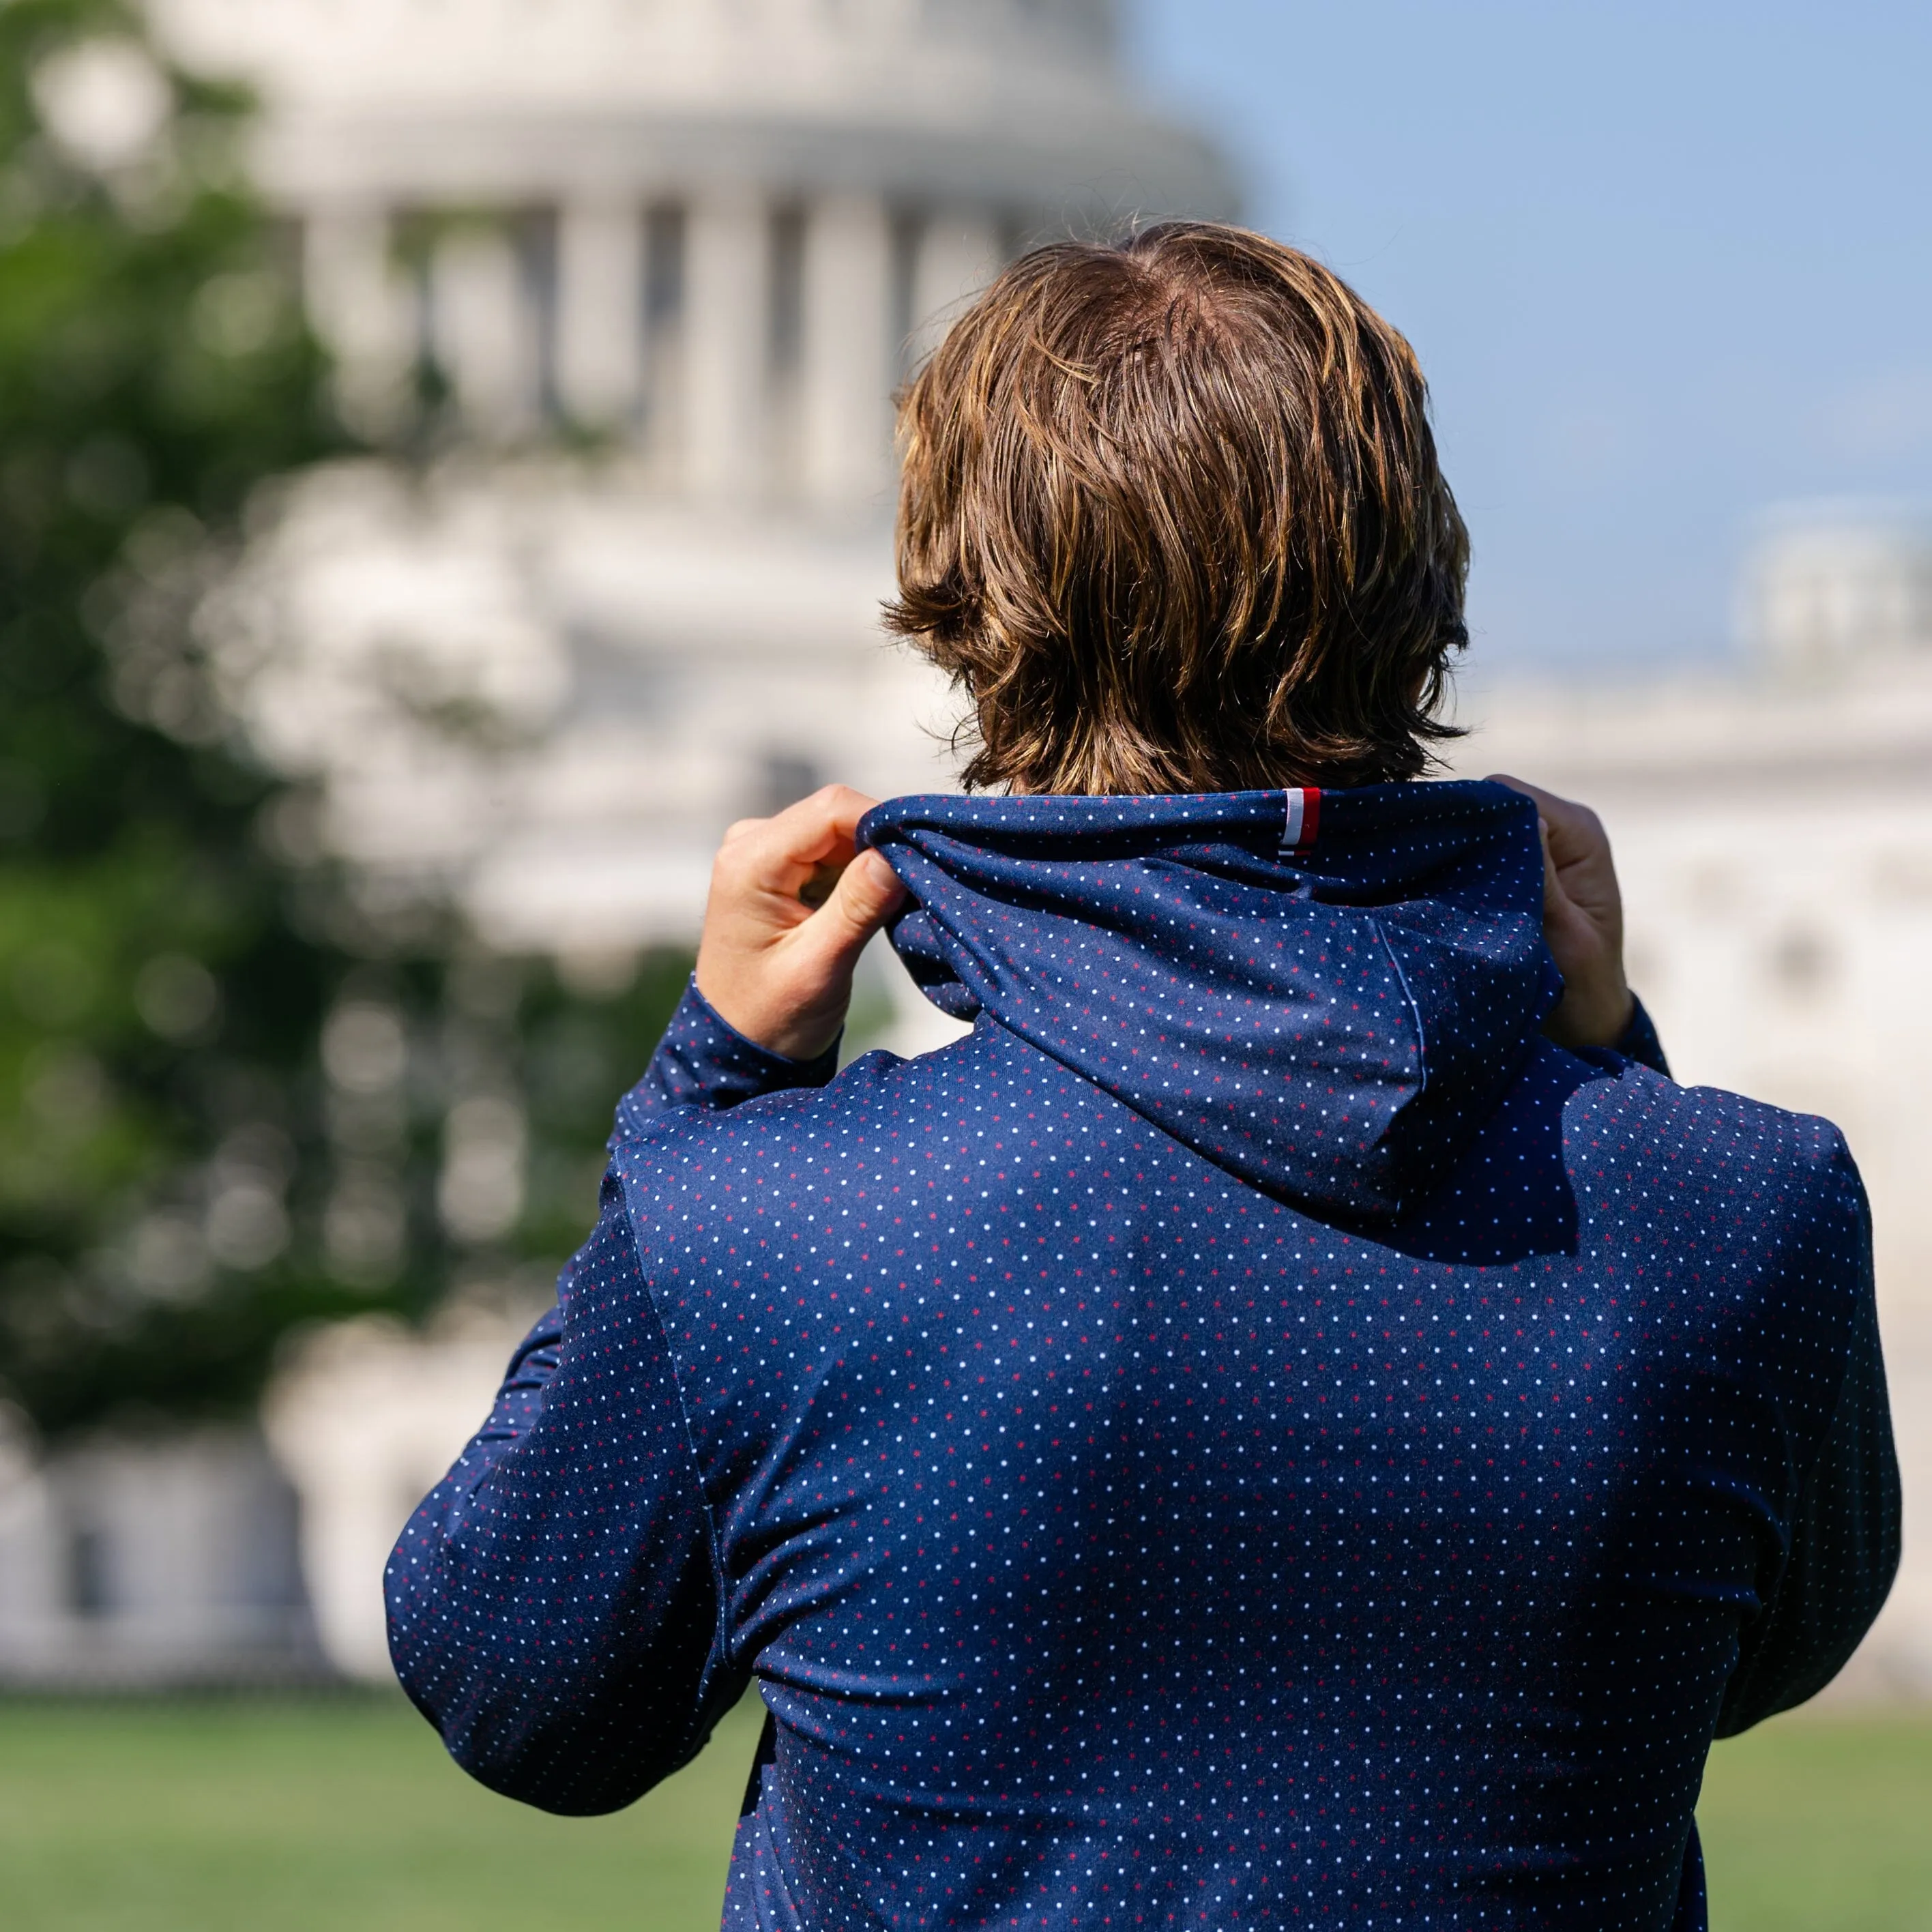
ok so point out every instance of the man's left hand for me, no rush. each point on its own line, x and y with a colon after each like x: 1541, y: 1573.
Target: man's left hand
x: 1582, y: 921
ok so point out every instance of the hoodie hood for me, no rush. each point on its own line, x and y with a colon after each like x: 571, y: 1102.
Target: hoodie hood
x: 1326, y: 993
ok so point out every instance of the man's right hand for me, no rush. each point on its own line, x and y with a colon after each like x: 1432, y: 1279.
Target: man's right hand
x: 791, y: 910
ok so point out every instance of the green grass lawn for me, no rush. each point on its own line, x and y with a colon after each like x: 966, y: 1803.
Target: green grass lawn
x: 1821, y: 1824
x: 221, y: 1815
x: 345, y: 1817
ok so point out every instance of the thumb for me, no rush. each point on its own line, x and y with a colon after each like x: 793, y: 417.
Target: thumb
x: 868, y: 893
x: 1554, y: 897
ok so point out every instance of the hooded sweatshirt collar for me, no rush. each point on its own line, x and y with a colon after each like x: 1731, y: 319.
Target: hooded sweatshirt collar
x: 1326, y: 994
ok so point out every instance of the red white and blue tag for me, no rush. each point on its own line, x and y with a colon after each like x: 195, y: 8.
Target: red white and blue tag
x: 1303, y: 823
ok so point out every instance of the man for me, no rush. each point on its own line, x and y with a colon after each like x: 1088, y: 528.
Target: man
x: 1297, y: 1420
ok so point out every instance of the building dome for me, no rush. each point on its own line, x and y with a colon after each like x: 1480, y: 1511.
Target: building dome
x: 718, y: 227
x: 705, y: 240
x: 1018, y: 101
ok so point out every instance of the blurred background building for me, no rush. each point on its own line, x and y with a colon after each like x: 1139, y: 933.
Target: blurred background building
x: 619, y: 292
x: 1773, y: 827
x: 697, y: 245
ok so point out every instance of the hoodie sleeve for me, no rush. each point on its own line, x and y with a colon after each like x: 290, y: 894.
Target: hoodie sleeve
x: 1841, y: 1552
x: 703, y: 1061
x: 1640, y: 1041
x: 555, y: 1603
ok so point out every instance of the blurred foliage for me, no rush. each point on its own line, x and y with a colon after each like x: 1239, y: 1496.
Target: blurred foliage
x: 220, y: 1117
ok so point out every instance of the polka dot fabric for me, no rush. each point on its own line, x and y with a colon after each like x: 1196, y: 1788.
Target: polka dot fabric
x: 1121, y: 1533
x: 1331, y: 1022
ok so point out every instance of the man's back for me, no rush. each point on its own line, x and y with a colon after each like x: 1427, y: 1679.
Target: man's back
x: 1118, y: 1539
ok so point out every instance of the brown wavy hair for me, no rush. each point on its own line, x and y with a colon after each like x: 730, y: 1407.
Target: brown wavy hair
x: 1170, y: 514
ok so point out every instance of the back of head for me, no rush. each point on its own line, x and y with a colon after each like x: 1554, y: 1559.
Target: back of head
x: 1171, y: 515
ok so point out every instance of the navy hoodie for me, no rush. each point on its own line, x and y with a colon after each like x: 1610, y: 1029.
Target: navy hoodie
x: 1254, y: 1435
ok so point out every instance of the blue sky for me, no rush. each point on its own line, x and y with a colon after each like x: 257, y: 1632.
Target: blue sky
x: 1666, y: 265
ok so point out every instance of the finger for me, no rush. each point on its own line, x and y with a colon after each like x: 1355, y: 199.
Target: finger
x: 831, y: 814
x: 1522, y: 785
x: 868, y: 893
x: 821, y: 885
x: 1554, y: 898
x: 781, y: 853
x: 1554, y: 810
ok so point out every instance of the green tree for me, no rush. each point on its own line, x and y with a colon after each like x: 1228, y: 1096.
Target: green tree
x: 222, y: 1114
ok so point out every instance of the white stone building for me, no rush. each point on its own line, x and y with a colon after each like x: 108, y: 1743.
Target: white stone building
x: 713, y: 235
x: 175, y: 1560
x: 698, y: 241
x: 668, y: 259
x: 1773, y: 828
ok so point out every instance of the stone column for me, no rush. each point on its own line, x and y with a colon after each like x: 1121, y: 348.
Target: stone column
x: 726, y: 329
x: 362, y: 307
x: 600, y: 323
x: 959, y: 254
x: 848, y: 361
x: 487, y: 337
